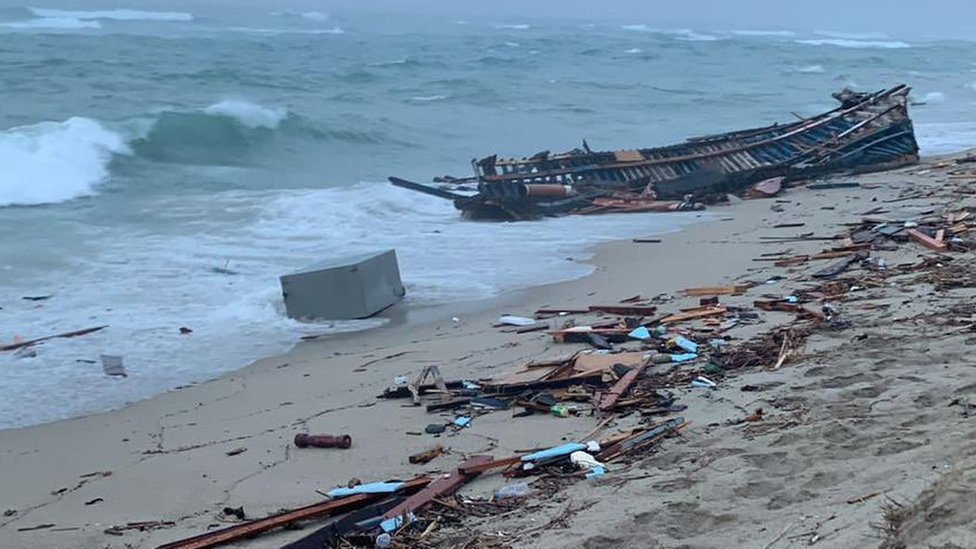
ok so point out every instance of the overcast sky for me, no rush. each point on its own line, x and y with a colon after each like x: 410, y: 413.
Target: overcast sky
x: 956, y: 18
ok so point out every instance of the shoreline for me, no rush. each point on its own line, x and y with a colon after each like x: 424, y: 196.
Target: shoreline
x: 171, y: 457
x: 400, y: 316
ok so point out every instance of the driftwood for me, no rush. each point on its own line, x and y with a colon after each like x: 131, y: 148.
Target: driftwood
x: 28, y: 343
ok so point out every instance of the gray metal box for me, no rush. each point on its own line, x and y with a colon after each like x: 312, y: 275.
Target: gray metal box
x: 341, y: 288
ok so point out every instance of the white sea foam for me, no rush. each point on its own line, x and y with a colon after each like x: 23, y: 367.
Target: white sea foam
x: 276, y: 31
x: 633, y: 50
x: 512, y: 26
x: 118, y: 15
x: 811, y: 69
x: 55, y: 161
x: 248, y: 114
x: 679, y: 34
x: 310, y: 15
x: 852, y: 35
x: 63, y: 23
x: 850, y: 43
x: 428, y: 98
x: 770, y: 33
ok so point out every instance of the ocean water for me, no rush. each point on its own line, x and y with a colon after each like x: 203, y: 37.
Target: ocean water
x: 144, y: 154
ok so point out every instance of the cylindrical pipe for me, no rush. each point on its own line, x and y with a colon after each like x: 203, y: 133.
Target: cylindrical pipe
x: 304, y: 440
x: 548, y: 190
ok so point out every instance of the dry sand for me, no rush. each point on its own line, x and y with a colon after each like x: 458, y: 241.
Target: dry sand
x: 866, y: 411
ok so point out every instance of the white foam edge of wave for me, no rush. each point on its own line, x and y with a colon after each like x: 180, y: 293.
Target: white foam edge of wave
x: 50, y: 162
x: 688, y: 35
x: 52, y: 23
x: 310, y: 15
x: 848, y: 35
x: 851, y: 43
x: 763, y: 33
x: 270, y: 31
x: 248, y: 114
x: 116, y: 14
x: 810, y: 69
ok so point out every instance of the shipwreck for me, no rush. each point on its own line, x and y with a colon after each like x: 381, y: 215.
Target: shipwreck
x: 867, y: 132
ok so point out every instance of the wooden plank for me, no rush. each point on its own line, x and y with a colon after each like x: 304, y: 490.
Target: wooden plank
x: 834, y: 255
x: 852, y: 247
x: 706, y: 312
x: 715, y: 290
x: 441, y: 487
x: 260, y: 526
x: 30, y: 342
x: 628, y: 156
x: 776, y: 305
x: 474, y: 469
x: 789, y: 262
x: 927, y: 241
x: 626, y: 310
x: 609, y: 399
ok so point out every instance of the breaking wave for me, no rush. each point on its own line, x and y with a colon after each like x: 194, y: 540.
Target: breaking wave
x: 687, y: 35
x: 62, y: 23
x: 118, y: 15
x: 53, y: 162
x: 220, y: 134
x: 850, y: 43
x: 248, y: 114
x: 274, y: 31
x: 310, y: 15
x: 771, y: 33
x: 515, y: 26
x: 852, y: 35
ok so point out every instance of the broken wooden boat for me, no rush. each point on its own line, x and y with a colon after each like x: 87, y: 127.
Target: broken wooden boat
x: 867, y: 132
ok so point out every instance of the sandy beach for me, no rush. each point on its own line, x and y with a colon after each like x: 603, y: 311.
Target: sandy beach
x: 856, y: 427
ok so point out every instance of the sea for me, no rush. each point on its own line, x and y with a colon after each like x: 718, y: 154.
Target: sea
x: 161, y: 169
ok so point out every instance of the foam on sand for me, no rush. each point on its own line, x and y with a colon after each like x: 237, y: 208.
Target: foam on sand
x: 55, y: 161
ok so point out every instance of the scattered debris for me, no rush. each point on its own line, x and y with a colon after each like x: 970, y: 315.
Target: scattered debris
x: 427, y: 455
x: 28, y: 343
x: 304, y: 440
x: 140, y: 526
x: 112, y: 365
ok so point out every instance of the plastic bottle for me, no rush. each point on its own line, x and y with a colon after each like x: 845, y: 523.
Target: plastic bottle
x: 512, y: 490
x: 384, y: 540
x: 559, y: 411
